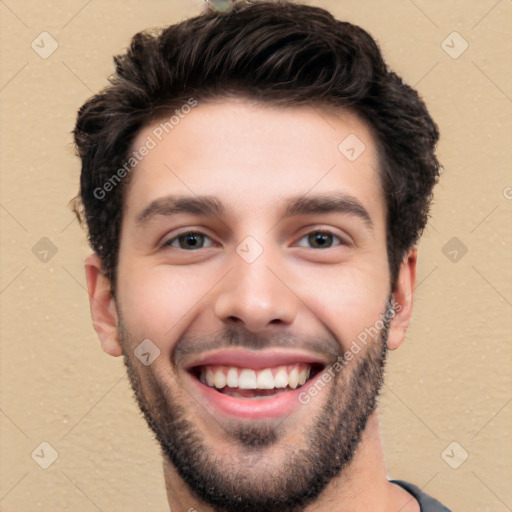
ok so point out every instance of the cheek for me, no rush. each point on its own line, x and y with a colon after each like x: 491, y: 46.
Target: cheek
x: 346, y: 300
x: 157, y: 301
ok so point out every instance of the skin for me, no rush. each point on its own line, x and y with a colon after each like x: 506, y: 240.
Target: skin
x: 251, y: 157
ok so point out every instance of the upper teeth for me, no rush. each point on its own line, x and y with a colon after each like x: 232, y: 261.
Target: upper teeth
x: 246, y: 378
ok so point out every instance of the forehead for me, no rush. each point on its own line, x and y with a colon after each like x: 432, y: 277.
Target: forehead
x: 253, y: 156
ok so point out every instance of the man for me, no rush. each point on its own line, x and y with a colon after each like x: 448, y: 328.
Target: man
x: 254, y: 183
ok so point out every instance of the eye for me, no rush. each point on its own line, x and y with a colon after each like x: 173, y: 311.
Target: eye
x: 190, y: 240
x: 320, y: 240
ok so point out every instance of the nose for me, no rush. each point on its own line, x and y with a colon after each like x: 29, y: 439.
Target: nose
x: 256, y: 295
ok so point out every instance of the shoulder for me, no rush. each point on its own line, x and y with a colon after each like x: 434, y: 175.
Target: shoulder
x: 427, y: 503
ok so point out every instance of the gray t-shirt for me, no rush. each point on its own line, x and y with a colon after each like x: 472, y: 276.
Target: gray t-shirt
x: 427, y: 503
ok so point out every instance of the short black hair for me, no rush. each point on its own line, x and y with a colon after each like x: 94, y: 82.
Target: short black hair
x: 279, y: 52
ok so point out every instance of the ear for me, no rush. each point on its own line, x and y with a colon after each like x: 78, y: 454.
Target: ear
x: 103, y: 306
x: 403, y: 295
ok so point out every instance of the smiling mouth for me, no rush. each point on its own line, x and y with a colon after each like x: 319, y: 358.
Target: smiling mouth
x: 255, y: 384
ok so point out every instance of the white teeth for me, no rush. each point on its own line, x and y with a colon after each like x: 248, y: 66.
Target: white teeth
x: 247, y: 379
x: 268, y: 378
x: 219, y: 380
x: 303, y: 376
x: 293, y: 378
x: 281, y: 378
x: 232, y: 380
x: 209, y: 377
x: 265, y: 379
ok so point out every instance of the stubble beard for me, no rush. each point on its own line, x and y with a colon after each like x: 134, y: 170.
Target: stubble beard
x: 244, y: 483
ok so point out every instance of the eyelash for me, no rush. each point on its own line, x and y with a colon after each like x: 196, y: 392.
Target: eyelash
x: 168, y: 243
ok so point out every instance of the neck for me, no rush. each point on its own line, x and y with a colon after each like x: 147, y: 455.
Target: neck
x: 361, y: 486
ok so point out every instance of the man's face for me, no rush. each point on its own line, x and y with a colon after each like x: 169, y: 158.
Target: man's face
x: 269, y: 288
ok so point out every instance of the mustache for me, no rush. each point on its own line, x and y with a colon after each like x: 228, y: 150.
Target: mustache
x: 194, y: 344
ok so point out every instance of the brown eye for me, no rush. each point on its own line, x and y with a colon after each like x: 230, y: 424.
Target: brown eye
x: 320, y: 240
x: 189, y: 241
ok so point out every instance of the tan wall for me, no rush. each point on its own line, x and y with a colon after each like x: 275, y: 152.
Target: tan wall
x: 450, y: 382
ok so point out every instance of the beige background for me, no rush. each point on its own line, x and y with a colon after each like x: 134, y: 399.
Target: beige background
x: 449, y: 382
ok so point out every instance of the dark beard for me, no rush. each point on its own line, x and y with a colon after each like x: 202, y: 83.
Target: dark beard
x: 229, y: 486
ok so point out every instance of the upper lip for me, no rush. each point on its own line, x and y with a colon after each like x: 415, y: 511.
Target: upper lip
x: 255, y: 359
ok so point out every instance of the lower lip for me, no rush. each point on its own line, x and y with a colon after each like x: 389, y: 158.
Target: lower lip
x: 276, y: 406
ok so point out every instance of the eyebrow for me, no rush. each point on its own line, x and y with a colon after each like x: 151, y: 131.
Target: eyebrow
x: 210, y: 206
x: 171, y: 205
x: 328, y: 203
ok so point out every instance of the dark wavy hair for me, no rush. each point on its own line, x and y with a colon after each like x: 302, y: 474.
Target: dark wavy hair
x: 277, y: 52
